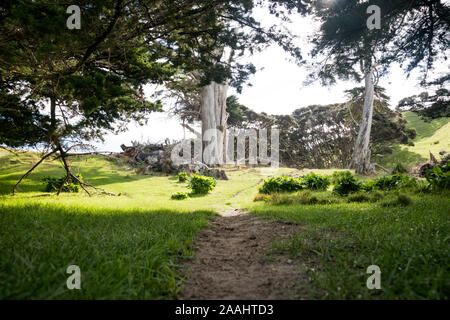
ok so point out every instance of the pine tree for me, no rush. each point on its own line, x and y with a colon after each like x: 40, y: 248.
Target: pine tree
x: 63, y: 87
x: 413, y: 32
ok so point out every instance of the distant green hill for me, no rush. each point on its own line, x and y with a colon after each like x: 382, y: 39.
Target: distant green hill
x: 432, y: 136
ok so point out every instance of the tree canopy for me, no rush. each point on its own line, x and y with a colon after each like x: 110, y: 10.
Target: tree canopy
x: 62, y: 87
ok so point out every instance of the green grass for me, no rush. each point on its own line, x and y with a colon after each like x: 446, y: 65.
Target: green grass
x: 131, y: 246
x: 128, y: 247
x: 432, y: 136
x: 410, y: 243
x: 122, y: 254
x: 424, y: 129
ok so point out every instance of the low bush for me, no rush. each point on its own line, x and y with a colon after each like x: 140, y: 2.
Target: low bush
x: 345, y: 183
x: 179, y: 196
x: 281, y: 184
x: 314, y: 181
x: 201, y: 184
x: 182, y: 176
x: 439, y: 177
x: 53, y: 184
x: 393, y: 182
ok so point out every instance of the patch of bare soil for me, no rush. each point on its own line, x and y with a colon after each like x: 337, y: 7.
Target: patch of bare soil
x: 231, y: 261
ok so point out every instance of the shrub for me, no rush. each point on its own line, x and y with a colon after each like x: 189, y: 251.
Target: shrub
x: 179, y: 196
x: 182, y: 176
x: 338, y: 174
x: 281, y: 184
x: 439, y: 177
x: 313, y: 181
x: 53, y: 184
x: 345, y: 183
x: 392, y: 182
x: 367, y: 185
x: 201, y: 184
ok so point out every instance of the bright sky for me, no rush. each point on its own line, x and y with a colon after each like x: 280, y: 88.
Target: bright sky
x: 277, y: 89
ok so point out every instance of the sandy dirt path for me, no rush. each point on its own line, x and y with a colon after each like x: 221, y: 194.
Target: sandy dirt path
x: 231, y: 261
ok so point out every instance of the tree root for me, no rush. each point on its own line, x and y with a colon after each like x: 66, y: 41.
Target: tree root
x: 31, y: 170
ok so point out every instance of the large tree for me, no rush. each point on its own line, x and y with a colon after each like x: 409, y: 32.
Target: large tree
x: 61, y: 87
x: 412, y: 32
x: 206, y: 101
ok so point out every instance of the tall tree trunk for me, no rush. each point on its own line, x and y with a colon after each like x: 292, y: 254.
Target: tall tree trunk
x: 213, y: 101
x: 361, y: 154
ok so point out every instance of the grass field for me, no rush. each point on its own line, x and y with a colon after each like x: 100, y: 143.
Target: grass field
x: 409, y: 244
x: 432, y: 136
x: 127, y: 246
x: 132, y: 246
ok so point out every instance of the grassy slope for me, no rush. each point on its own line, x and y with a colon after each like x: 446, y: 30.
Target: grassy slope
x: 432, y: 136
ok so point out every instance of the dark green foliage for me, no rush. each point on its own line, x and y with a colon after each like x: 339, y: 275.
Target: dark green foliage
x: 314, y: 181
x: 310, y: 181
x: 179, y: 196
x: 94, y: 77
x: 392, y: 182
x: 182, y: 176
x: 53, y: 184
x: 405, y: 36
x: 281, y: 184
x: 201, y: 184
x: 439, y: 177
x: 345, y: 183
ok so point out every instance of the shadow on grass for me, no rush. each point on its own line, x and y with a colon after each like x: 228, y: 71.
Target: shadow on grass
x: 408, y: 243
x: 122, y: 254
x: 33, y: 183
